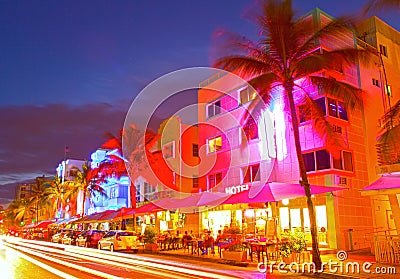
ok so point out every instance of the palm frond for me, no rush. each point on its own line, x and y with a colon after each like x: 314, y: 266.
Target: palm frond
x: 244, y: 66
x: 388, y: 146
x: 350, y: 96
x: 381, y: 5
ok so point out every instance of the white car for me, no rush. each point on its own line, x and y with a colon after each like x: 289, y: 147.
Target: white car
x: 119, y: 240
x: 59, y: 235
x: 70, y: 237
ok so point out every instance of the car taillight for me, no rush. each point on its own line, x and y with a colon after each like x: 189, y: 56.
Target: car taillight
x: 118, y: 238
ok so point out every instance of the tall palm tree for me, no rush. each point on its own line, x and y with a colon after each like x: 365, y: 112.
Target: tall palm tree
x: 85, y: 181
x: 388, y: 140
x: 38, y: 195
x: 286, y: 52
x: 55, y: 194
x: 116, y: 165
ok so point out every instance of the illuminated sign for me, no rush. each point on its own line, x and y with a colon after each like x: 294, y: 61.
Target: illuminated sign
x: 236, y: 189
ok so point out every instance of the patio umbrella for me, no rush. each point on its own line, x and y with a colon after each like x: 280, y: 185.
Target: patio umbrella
x: 387, y: 184
x: 276, y: 191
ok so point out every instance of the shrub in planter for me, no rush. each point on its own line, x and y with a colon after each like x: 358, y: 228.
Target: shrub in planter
x: 297, y: 240
x: 285, y: 249
x: 292, y: 242
x: 150, y: 238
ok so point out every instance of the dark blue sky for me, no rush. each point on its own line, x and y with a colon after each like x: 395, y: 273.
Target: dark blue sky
x: 70, y: 69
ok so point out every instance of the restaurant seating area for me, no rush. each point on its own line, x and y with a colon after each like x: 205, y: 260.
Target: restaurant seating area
x: 251, y: 249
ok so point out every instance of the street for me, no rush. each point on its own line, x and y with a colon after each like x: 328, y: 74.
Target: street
x: 20, y: 259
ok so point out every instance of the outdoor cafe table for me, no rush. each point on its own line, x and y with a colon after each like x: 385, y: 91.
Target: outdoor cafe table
x: 259, y: 248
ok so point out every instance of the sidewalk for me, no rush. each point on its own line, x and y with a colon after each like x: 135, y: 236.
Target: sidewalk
x: 356, y: 265
x: 359, y: 264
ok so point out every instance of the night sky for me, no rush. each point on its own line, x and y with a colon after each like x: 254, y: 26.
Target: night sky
x: 69, y: 70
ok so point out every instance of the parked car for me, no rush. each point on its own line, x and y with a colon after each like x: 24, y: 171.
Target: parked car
x: 84, y: 240
x: 119, y: 240
x: 56, y: 238
x: 70, y: 237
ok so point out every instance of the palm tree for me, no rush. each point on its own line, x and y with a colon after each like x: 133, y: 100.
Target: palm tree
x: 56, y: 194
x: 388, y: 142
x: 39, y: 195
x: 22, y: 209
x: 377, y: 5
x: 286, y: 53
x: 115, y: 163
x: 86, y: 181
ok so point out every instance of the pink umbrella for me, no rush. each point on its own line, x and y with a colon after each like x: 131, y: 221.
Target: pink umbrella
x: 388, y: 184
x: 276, y: 191
x: 199, y: 199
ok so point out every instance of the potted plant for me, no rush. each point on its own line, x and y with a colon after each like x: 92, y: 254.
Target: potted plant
x: 292, y: 245
x: 298, y: 243
x: 285, y: 251
x: 233, y: 248
x: 150, y: 239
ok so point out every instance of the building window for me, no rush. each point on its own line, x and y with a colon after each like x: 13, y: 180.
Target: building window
x: 195, y: 182
x: 214, y: 179
x: 214, y: 144
x: 195, y: 150
x: 333, y: 108
x: 148, y: 189
x: 169, y: 150
x: 213, y: 109
x: 345, y: 162
x: 375, y: 82
x: 138, y: 195
x: 383, y: 50
x: 251, y: 173
x: 336, y: 109
x: 322, y: 160
x: 246, y: 95
x: 250, y: 129
x: 305, y: 113
x: 114, y: 192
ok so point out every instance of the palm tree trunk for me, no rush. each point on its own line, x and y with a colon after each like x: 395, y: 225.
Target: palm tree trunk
x: 132, y: 191
x: 83, y: 203
x: 37, y: 212
x: 304, y: 180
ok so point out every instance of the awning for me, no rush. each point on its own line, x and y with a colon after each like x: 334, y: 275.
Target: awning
x: 385, y: 185
x: 41, y: 225
x: 94, y: 217
x: 148, y: 208
x: 44, y: 224
x: 276, y: 191
x: 109, y: 215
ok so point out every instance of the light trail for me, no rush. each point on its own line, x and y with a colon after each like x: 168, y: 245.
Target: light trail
x: 163, y: 268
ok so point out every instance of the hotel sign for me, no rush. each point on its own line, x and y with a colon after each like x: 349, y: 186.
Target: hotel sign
x: 236, y: 189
